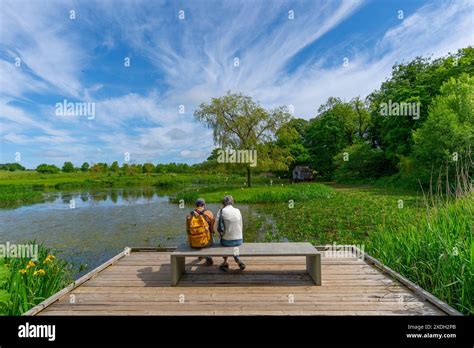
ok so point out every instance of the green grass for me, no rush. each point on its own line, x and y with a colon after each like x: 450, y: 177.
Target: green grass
x: 431, y: 247
x: 348, y: 216
x: 24, y: 283
x: 435, y: 252
x: 11, y: 196
x: 261, y: 194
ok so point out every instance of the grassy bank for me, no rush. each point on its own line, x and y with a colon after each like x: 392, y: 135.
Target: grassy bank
x: 436, y: 252
x: 289, y: 193
x: 27, y: 187
x: 24, y: 282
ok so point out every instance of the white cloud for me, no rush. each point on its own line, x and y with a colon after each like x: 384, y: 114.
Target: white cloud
x: 194, y: 62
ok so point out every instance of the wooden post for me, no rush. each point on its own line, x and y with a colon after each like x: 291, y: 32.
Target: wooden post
x: 313, y: 267
x: 177, y: 268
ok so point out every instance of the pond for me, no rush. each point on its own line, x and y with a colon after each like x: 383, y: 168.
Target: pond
x: 89, y: 227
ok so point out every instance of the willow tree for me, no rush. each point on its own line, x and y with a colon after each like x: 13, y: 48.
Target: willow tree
x: 238, y: 123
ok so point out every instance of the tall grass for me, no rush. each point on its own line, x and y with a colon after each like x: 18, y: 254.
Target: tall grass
x: 24, y: 282
x: 436, y: 252
x: 11, y: 196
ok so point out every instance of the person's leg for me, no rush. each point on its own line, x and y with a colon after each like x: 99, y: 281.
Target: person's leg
x: 239, y: 262
x: 224, y: 266
x: 209, y: 261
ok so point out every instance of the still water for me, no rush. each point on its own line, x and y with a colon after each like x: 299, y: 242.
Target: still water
x: 100, y: 223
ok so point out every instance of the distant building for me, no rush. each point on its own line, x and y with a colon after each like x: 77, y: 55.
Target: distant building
x: 302, y: 173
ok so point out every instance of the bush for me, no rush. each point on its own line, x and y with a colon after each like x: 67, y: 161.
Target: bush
x: 11, y: 166
x: 47, y: 169
x: 360, y: 162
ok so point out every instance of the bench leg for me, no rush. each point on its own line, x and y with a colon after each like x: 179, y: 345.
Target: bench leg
x: 177, y: 269
x: 313, y: 267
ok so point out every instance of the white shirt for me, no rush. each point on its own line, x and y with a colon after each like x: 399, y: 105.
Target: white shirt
x: 232, y: 221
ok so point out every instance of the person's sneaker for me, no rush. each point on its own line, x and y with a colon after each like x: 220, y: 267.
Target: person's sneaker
x: 209, y: 261
x: 241, y: 265
x: 224, y: 267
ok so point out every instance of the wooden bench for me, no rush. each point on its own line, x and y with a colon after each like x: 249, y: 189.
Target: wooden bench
x: 313, y: 257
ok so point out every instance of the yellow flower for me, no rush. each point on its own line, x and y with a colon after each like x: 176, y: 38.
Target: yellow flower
x: 22, y: 271
x: 49, y: 258
x: 39, y: 272
x: 30, y: 264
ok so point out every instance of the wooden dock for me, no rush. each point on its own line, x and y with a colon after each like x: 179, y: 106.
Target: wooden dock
x: 137, y: 282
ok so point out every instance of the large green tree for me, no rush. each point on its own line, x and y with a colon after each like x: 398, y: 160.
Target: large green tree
x: 447, y: 136
x: 290, y: 137
x: 239, y: 123
x: 68, y: 167
x: 417, y: 81
x: 339, y: 124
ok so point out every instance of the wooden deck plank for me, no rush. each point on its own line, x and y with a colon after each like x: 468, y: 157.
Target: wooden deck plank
x: 139, y: 284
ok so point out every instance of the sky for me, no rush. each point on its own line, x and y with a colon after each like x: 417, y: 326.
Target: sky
x: 143, y: 67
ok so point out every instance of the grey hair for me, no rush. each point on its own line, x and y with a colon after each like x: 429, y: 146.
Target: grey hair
x: 228, y: 200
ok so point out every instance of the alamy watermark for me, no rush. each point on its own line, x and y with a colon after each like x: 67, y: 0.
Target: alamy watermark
x: 411, y: 109
x: 67, y: 108
x: 29, y: 251
x: 344, y: 251
x: 237, y: 156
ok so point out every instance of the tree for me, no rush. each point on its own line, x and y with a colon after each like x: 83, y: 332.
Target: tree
x: 11, y: 166
x: 333, y: 129
x: 239, y: 123
x: 448, y: 133
x: 68, y: 167
x: 148, y: 168
x: 85, y: 167
x: 115, y: 167
x: 47, y: 168
x: 290, y: 137
x: 360, y: 162
x: 99, y: 168
x: 417, y: 81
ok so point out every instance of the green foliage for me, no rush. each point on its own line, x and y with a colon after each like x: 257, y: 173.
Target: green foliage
x: 114, y: 167
x: 269, y: 194
x: 348, y: 217
x: 4, y: 295
x: 435, y: 252
x: 47, y: 168
x: 30, y: 282
x: 360, y: 162
x: 85, y: 167
x: 449, y: 127
x: 11, y: 196
x: 11, y: 166
x: 416, y: 81
x: 290, y: 136
x: 68, y: 167
x: 239, y: 123
x: 338, y: 125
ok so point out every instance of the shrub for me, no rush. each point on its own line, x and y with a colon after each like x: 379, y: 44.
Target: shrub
x: 360, y: 162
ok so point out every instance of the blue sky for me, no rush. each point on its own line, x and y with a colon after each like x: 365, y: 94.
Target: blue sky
x: 188, y: 61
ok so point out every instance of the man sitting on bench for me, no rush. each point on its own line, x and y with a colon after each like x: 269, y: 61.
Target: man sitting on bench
x: 200, y: 228
x: 229, y: 226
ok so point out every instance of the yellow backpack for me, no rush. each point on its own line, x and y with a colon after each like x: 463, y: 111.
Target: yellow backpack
x: 199, y: 230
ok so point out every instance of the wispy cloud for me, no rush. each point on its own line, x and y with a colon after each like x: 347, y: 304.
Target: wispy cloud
x: 178, y: 64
